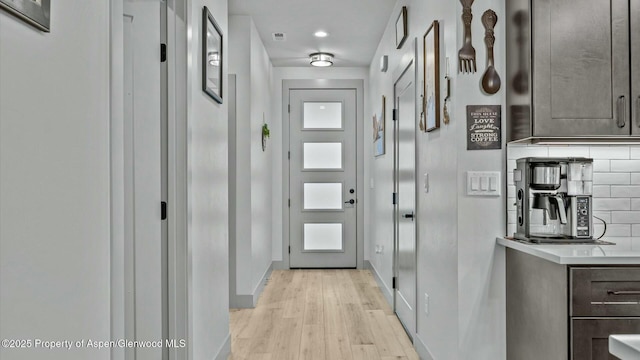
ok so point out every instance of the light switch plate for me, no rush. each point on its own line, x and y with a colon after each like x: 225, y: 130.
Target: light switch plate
x: 426, y: 304
x: 426, y: 183
x: 483, y: 183
x: 384, y: 63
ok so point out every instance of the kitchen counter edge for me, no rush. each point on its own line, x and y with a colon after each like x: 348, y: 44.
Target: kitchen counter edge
x: 625, y: 346
x: 576, y: 254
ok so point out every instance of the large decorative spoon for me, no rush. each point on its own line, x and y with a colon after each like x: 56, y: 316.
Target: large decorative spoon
x: 490, y: 79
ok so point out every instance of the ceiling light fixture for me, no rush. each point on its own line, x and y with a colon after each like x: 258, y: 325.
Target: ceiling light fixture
x: 321, y: 34
x: 321, y: 59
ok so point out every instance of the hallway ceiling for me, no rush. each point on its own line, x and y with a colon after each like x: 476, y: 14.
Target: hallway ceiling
x: 354, y: 26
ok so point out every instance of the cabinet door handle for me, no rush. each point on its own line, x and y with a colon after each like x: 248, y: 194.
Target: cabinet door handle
x: 638, y: 110
x: 622, y: 111
x: 624, y: 292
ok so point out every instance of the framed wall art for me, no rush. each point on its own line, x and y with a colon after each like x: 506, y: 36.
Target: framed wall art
x: 431, y: 78
x: 211, y: 56
x: 379, y: 129
x: 35, y: 12
x: 401, y: 28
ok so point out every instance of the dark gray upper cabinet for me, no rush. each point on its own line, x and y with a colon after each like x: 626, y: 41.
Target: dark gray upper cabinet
x: 573, y: 68
x: 635, y: 61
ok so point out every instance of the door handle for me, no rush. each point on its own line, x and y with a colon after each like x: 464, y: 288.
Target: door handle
x: 408, y: 216
x: 622, y: 111
x: 623, y: 292
x: 351, y: 201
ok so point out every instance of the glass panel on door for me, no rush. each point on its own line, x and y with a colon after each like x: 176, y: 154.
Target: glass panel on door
x: 322, y: 115
x: 323, y: 196
x: 322, y: 237
x: 322, y: 155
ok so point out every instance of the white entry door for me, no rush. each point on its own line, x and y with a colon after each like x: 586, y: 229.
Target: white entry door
x: 322, y: 177
x: 405, y: 185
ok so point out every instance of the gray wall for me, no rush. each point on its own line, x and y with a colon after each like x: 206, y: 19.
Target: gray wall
x: 54, y: 180
x: 207, y: 196
x: 459, y: 266
x: 248, y: 59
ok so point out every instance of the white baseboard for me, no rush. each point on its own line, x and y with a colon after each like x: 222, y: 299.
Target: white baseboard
x: 388, y: 293
x: 260, y: 287
x: 241, y: 301
x: 249, y: 301
x: 422, y: 349
x: 225, y: 349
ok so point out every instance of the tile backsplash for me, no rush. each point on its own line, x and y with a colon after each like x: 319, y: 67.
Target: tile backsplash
x: 616, y: 186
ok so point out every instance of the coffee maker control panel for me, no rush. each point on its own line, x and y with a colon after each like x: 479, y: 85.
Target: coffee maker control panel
x: 583, y: 216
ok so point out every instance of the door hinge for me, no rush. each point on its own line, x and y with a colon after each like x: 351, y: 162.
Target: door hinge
x: 289, y: 155
x: 393, y: 282
x: 163, y: 52
x: 394, y: 115
x: 289, y: 249
x: 163, y: 210
x: 289, y: 202
x: 289, y: 108
x: 395, y: 198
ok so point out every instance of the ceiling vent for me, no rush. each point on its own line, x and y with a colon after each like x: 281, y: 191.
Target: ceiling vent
x: 279, y: 36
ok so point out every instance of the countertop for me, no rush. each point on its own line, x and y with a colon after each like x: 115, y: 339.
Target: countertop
x: 577, y: 254
x: 626, y: 347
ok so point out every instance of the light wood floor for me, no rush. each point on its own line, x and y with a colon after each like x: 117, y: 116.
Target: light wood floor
x: 319, y: 314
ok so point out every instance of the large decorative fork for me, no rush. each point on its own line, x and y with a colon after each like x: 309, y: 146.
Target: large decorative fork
x: 467, y: 54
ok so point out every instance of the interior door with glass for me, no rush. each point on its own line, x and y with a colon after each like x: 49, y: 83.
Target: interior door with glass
x: 322, y: 178
x: 405, y: 187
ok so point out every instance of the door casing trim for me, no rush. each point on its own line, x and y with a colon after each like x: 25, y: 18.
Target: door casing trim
x: 408, y: 59
x: 177, y: 76
x: 318, y: 84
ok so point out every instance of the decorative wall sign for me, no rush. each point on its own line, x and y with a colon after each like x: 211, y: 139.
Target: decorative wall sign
x: 379, y: 129
x: 34, y: 12
x: 211, y: 56
x: 431, y: 80
x: 401, y: 28
x: 484, y: 127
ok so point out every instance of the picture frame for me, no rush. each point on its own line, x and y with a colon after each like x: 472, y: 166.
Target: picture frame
x: 212, y: 56
x: 431, y: 78
x: 36, y: 13
x: 379, y: 129
x: 401, y: 28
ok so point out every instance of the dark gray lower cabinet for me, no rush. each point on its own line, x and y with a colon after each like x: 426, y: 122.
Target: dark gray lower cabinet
x: 590, y: 337
x: 565, y: 312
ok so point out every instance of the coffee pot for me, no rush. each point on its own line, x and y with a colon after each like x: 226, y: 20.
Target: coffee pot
x: 553, y: 199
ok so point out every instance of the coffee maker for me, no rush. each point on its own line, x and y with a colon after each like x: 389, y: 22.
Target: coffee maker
x: 554, y: 199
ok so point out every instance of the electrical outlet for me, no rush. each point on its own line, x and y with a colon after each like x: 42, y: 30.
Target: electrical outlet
x: 379, y: 249
x: 426, y: 304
